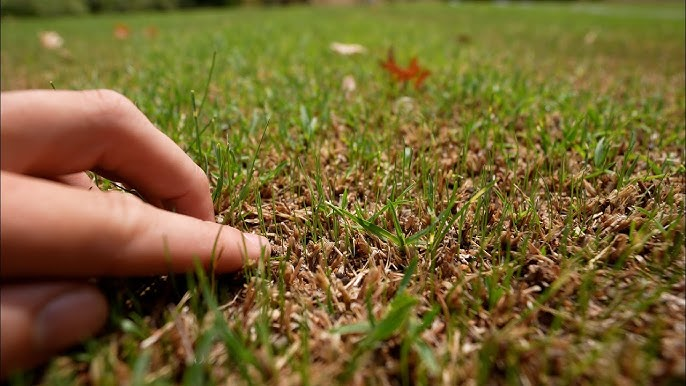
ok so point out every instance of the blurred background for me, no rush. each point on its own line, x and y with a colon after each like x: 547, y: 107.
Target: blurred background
x: 77, y: 7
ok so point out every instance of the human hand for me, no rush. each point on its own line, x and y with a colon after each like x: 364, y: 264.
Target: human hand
x: 57, y: 227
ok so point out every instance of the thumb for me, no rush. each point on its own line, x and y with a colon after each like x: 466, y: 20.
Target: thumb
x: 40, y: 319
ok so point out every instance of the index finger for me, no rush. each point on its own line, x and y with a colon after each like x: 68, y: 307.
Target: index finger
x: 47, y: 133
x: 48, y: 229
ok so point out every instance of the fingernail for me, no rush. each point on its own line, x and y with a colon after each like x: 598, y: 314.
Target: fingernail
x: 69, y: 318
x: 255, y: 244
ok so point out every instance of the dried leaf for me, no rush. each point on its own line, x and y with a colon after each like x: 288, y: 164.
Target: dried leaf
x: 348, y: 85
x: 51, y: 40
x: 347, y: 49
x: 413, y: 71
x: 121, y: 31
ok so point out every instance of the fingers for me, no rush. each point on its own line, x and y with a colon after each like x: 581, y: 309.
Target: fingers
x: 77, y: 179
x: 46, y: 133
x: 38, y: 320
x: 50, y: 229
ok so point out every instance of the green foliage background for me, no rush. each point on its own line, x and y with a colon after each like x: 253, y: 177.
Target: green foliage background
x: 79, y: 7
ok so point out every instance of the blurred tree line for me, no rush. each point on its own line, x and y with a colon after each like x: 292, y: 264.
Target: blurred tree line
x: 79, y: 7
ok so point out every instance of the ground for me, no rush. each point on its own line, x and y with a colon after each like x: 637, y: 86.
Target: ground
x: 518, y: 217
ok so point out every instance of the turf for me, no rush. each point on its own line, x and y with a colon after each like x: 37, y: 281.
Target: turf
x: 519, y: 218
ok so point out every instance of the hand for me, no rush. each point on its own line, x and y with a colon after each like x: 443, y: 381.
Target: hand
x: 57, y: 227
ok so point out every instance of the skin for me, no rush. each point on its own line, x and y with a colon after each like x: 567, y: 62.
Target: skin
x: 57, y: 229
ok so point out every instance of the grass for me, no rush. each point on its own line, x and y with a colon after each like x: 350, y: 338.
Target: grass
x: 519, y: 219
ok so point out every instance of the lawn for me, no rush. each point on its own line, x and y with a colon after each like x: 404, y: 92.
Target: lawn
x: 518, y: 218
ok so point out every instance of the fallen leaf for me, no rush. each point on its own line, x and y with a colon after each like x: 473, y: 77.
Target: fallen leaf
x: 404, y: 105
x: 590, y: 37
x: 420, y: 78
x: 348, y: 85
x: 121, y: 31
x: 51, y: 40
x: 347, y: 49
x: 413, y: 70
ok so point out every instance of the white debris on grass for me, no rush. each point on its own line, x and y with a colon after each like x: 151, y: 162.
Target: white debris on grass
x: 347, y: 49
x: 51, y: 40
x: 348, y: 85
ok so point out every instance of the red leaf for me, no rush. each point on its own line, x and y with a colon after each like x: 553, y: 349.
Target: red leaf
x: 121, y: 31
x: 420, y: 78
x: 413, y: 70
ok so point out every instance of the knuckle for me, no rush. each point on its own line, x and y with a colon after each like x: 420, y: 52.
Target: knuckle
x: 107, y: 104
x: 126, y: 214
